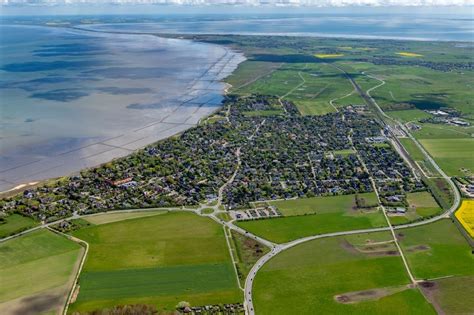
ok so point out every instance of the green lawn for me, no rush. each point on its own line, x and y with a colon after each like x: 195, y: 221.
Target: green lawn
x: 38, y: 264
x: 15, y: 223
x: 169, y: 258
x: 437, y: 250
x: 285, y: 229
x: 305, y: 280
x: 452, y: 154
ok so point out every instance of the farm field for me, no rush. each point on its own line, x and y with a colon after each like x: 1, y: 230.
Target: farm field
x: 408, y: 115
x: 452, y: 155
x: 172, y: 257
x: 301, y: 280
x: 327, y: 204
x: 105, y: 218
x: 37, y: 272
x: 437, y: 131
x: 454, y: 294
x: 249, y: 71
x: 285, y: 229
x: 430, y: 249
x: 15, y: 223
x: 311, y: 86
x: 465, y: 215
x: 423, y: 88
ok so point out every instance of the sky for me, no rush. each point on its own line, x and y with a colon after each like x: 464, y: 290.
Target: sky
x: 315, y: 3
x: 121, y: 7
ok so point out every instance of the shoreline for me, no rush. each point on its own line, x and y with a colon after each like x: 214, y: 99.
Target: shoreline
x: 139, y: 137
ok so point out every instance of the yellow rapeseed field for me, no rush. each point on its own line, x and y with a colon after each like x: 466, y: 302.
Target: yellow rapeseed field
x: 408, y: 54
x: 322, y: 56
x: 465, y: 216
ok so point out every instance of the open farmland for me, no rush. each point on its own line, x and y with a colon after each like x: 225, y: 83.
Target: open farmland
x: 453, y: 295
x: 15, y: 223
x: 329, y: 204
x: 170, y: 258
x: 36, y: 272
x: 465, y: 215
x: 430, y: 250
x: 105, y: 218
x: 311, y: 86
x: 302, y: 280
x: 454, y: 156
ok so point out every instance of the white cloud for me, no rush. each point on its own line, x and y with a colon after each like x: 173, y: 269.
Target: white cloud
x: 316, y: 3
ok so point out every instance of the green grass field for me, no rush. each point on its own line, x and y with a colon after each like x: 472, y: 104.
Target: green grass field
x: 311, y: 86
x: 317, y: 215
x: 438, y: 131
x: 409, y: 115
x: 35, y: 272
x: 437, y: 250
x: 15, y: 223
x: 452, y: 155
x: 105, y: 218
x: 329, y: 204
x: 454, y: 295
x: 170, y: 257
x: 305, y: 280
x: 412, y: 148
x: 249, y: 71
x: 285, y: 229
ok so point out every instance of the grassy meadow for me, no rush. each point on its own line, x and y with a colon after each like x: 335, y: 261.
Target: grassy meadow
x: 307, y: 278
x: 436, y: 250
x: 285, y: 229
x: 169, y: 258
x: 15, y: 223
x: 454, y: 294
x: 327, y: 204
x: 36, y: 272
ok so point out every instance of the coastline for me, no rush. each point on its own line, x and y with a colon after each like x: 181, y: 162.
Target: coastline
x: 194, y: 107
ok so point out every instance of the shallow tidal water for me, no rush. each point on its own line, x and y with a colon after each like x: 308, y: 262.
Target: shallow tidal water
x: 71, y: 99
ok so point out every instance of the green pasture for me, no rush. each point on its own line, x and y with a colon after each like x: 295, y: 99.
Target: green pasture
x: 15, y: 223
x: 38, y: 264
x: 454, y: 156
x: 325, y: 204
x: 169, y: 258
x: 285, y: 229
x: 306, y: 278
x: 436, y: 250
